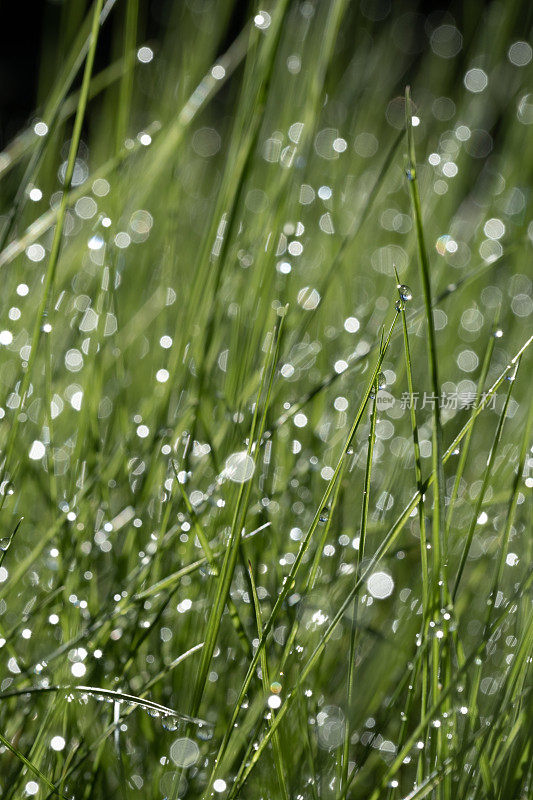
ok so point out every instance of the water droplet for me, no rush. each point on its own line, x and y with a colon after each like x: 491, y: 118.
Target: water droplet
x: 381, y: 382
x: 170, y: 723
x: 405, y: 292
x: 410, y: 174
x: 205, y: 732
x: 4, y: 543
x: 324, y: 514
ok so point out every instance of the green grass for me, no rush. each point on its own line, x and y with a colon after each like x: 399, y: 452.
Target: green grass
x: 244, y: 553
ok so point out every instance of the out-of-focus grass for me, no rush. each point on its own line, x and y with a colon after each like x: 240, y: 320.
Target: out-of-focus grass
x: 231, y: 576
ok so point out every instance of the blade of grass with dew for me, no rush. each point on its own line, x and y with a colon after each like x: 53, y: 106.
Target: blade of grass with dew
x: 58, y: 234
x: 466, y: 446
x: 402, y: 299
x: 417, y: 314
x: 484, y: 484
x: 386, y: 543
x: 360, y: 555
x: 234, y: 613
x: 438, y: 544
x: 308, y: 667
x: 29, y: 765
x: 315, y: 564
x: 276, y: 747
x: 231, y: 553
x: 290, y: 578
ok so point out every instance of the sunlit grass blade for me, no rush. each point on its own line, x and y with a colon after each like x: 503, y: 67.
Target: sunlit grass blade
x: 402, y: 300
x: 425, y: 275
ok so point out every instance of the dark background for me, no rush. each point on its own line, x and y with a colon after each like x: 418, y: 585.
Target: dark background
x: 26, y: 25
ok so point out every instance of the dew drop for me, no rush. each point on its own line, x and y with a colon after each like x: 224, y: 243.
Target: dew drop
x: 170, y: 723
x: 205, y: 732
x: 324, y: 514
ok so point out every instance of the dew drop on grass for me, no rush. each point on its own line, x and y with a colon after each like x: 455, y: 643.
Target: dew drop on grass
x: 170, y: 723
x: 324, y: 514
x: 381, y: 382
x: 405, y: 292
x: 205, y: 731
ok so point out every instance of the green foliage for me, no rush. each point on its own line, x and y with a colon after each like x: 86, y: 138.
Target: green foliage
x: 265, y: 514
